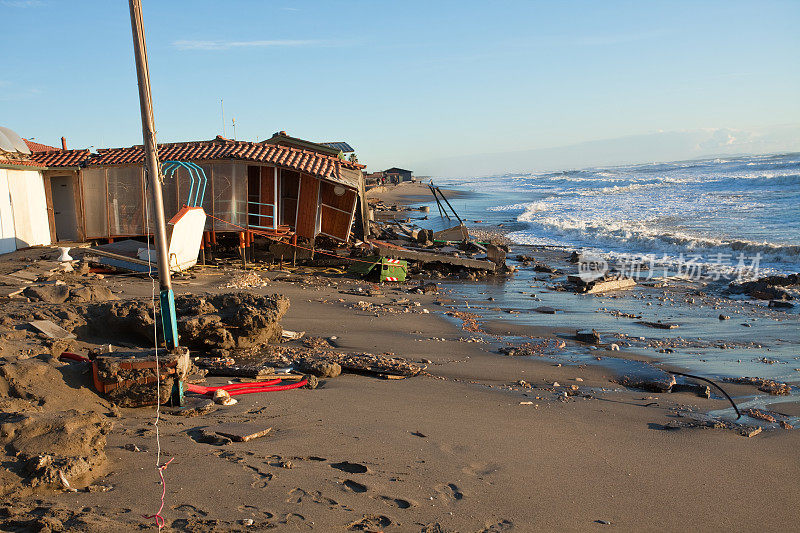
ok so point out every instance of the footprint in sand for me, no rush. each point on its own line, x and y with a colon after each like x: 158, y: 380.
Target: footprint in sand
x: 370, y: 522
x: 350, y: 468
x: 481, y: 469
x: 292, y: 518
x: 395, y: 502
x: 502, y: 525
x: 254, y: 511
x: 299, y: 495
x: 191, y: 510
x: 354, y: 486
x: 450, y: 492
x: 261, y: 479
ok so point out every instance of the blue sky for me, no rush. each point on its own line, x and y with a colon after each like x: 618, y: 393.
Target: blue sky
x: 413, y: 84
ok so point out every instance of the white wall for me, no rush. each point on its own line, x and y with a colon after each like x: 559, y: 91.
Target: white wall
x: 8, y: 241
x: 23, y: 192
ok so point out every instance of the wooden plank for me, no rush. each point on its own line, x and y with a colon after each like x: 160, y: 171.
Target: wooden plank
x: 26, y: 275
x: 9, y: 291
x: 240, y: 432
x: 307, y: 207
x: 427, y: 257
x: 51, y: 330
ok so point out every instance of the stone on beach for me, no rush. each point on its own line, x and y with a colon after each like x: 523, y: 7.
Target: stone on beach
x: 587, y: 335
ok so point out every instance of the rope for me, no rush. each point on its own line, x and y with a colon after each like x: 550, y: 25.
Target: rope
x: 159, y: 519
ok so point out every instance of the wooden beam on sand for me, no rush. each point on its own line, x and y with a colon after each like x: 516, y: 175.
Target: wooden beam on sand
x: 428, y: 257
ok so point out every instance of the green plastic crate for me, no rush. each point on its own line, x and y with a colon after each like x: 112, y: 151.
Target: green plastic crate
x: 389, y: 269
x: 393, y: 269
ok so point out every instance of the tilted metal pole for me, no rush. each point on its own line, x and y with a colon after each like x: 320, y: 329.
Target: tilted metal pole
x: 154, y: 176
x: 448, y: 204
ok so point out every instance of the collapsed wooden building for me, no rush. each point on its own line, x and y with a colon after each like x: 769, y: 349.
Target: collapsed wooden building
x: 249, y: 186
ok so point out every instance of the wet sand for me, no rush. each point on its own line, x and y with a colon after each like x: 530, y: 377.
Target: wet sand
x: 464, y: 448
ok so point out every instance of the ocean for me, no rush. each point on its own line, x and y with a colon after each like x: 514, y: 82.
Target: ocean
x: 737, y: 217
x: 721, y: 213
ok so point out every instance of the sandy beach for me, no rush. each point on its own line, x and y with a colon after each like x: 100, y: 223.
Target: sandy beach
x: 479, y: 441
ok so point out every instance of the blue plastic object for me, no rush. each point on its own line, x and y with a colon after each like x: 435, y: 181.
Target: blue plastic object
x: 168, y: 318
x: 197, y: 177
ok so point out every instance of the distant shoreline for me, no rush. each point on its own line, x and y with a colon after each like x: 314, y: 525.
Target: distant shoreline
x: 409, y: 192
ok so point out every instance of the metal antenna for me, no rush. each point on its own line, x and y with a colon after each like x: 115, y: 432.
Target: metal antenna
x: 222, y: 107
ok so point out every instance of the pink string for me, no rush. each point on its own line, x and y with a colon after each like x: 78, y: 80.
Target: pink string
x: 157, y: 516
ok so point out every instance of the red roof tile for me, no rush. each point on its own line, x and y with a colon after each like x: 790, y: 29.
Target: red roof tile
x: 61, y: 158
x: 39, y: 147
x: 19, y: 163
x: 307, y: 161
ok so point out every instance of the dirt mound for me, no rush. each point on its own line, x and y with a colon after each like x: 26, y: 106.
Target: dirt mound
x: 36, y: 385
x: 233, y: 320
x: 57, y: 450
x: 44, y: 445
x: 224, y: 321
x: 58, y: 294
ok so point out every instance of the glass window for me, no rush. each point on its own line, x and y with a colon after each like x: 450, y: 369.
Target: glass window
x: 94, y: 202
x: 126, y: 212
x: 230, y: 195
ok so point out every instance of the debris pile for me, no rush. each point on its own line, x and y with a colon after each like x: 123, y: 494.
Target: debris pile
x: 318, y: 357
x: 533, y: 349
x: 128, y: 379
x: 776, y: 388
x: 245, y: 280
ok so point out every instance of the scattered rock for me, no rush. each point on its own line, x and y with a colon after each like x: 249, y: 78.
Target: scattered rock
x: 703, y: 391
x: 662, y: 384
x: 312, y: 382
x: 223, y: 397
x: 658, y: 325
x: 426, y: 288
x: 759, y: 414
x: 322, y: 369
x: 587, y: 335
x: 775, y: 388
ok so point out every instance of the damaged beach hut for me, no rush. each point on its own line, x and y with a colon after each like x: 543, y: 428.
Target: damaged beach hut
x: 31, y: 199
x: 249, y: 186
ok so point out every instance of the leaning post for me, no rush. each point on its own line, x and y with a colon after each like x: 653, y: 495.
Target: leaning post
x: 166, y: 296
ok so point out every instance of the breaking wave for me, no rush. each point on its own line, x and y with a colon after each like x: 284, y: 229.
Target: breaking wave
x: 731, y: 206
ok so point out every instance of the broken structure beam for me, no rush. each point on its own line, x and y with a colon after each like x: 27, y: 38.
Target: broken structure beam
x: 427, y: 257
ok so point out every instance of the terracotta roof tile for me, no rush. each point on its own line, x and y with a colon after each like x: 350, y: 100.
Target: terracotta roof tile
x: 220, y: 148
x: 19, y: 163
x: 61, y: 158
x: 39, y: 147
x: 312, y: 162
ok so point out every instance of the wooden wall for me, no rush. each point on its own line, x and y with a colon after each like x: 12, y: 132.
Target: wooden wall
x: 307, y: 207
x: 336, y: 211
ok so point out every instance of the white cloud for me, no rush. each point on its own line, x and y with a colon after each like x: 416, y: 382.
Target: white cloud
x: 227, y: 45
